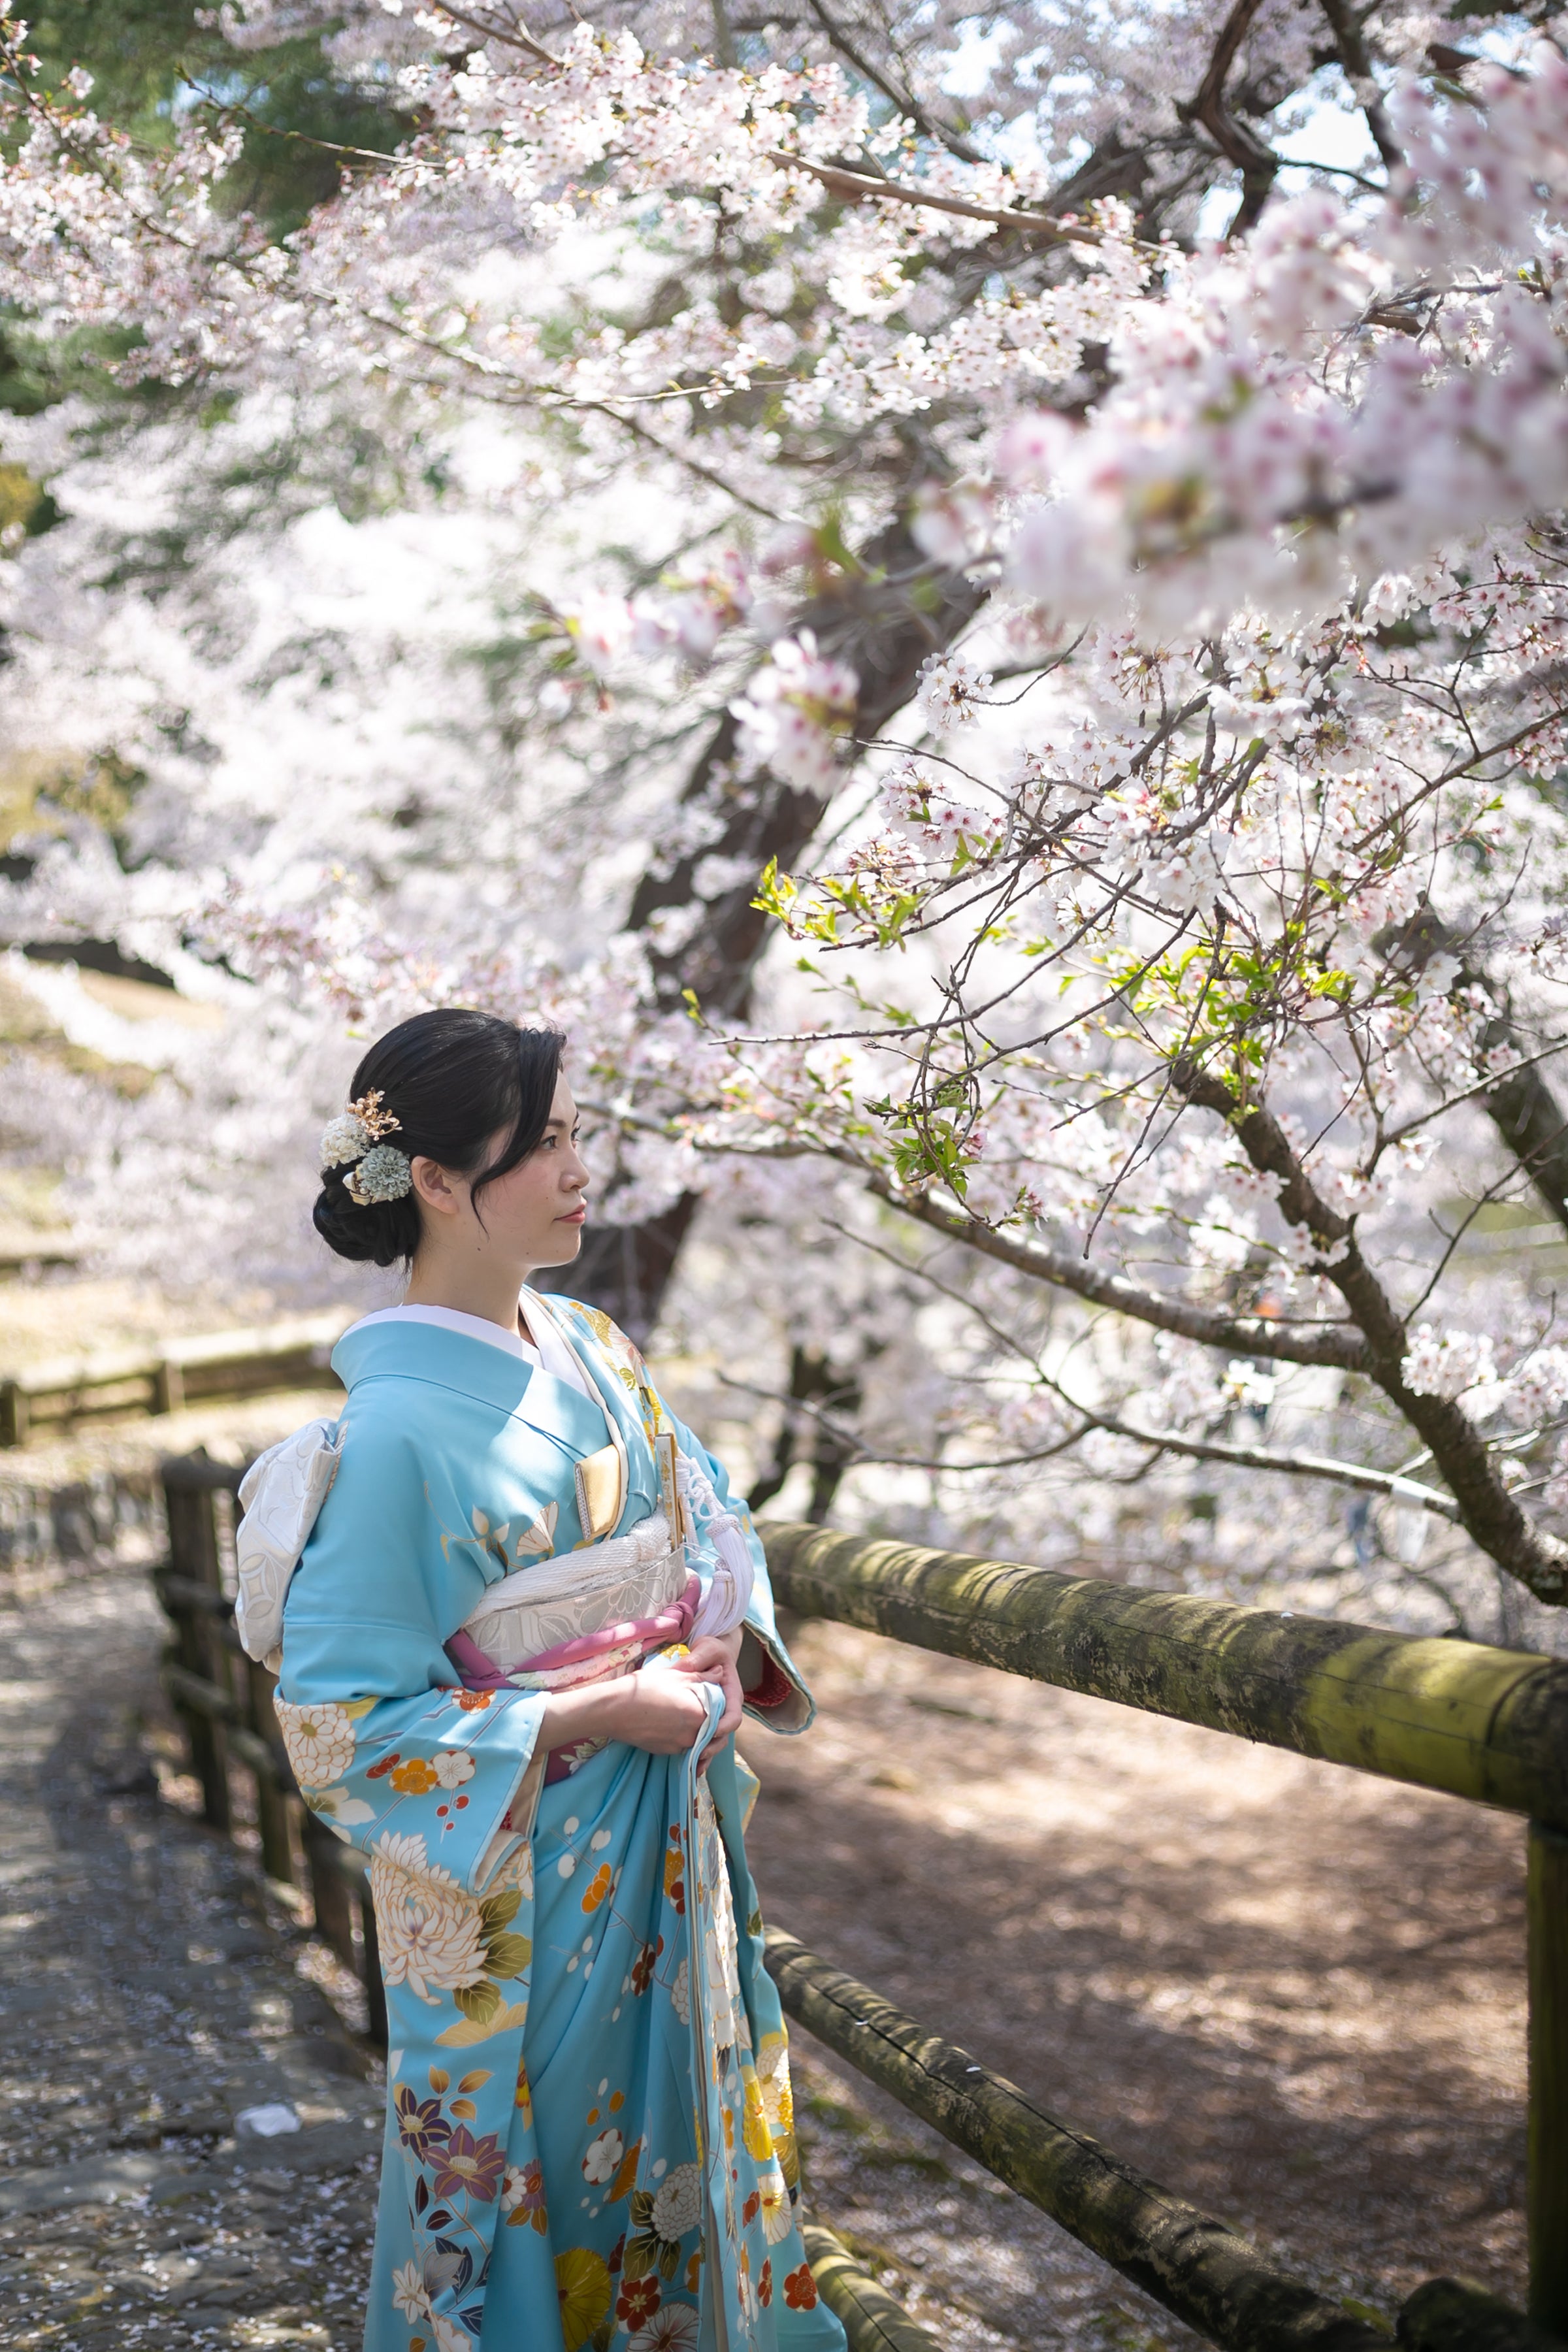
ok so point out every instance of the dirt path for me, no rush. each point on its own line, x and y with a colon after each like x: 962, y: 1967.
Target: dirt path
x: 147, y: 2005
x: 1289, y: 1992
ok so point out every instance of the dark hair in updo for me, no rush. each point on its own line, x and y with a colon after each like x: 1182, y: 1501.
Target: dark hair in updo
x: 452, y: 1079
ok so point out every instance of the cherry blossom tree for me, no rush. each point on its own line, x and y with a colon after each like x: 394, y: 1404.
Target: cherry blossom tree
x: 1112, y: 626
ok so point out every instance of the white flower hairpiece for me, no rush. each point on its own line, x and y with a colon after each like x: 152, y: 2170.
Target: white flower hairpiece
x: 384, y: 1172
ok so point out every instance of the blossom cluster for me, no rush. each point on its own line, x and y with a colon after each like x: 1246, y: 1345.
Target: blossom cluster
x: 1222, y: 583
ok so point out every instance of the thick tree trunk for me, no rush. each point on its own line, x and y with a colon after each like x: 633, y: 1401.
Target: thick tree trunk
x: 884, y: 633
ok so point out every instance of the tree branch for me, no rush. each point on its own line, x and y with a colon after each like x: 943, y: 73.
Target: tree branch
x: 862, y: 187
x: 1391, y: 1483
x: 1256, y: 161
x: 1351, y: 42
x: 1243, y: 1335
x: 1489, y: 1513
x: 904, y: 99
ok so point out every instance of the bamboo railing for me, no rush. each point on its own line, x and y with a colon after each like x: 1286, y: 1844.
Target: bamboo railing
x: 1488, y: 1725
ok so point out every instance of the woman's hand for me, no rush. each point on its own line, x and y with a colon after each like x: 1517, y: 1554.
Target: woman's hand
x: 712, y: 1659
x: 658, y: 1708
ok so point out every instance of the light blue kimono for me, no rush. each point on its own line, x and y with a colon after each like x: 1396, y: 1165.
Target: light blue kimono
x: 589, y: 2133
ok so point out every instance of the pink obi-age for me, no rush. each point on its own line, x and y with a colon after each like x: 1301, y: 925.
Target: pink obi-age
x: 589, y: 1616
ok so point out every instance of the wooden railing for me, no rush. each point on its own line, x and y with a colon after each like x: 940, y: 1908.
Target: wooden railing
x: 1483, y: 1724
x: 198, y: 1371
x: 224, y: 1701
x: 1490, y: 1726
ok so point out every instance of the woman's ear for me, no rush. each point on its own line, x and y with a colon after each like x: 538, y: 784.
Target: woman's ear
x: 435, y: 1187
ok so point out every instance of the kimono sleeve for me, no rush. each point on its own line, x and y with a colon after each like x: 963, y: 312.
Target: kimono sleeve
x: 776, y: 1691
x: 391, y: 1755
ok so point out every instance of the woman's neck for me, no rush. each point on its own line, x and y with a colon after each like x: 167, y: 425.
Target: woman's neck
x: 479, y: 1287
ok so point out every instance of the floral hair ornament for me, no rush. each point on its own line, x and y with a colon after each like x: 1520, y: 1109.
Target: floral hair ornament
x: 384, y: 1172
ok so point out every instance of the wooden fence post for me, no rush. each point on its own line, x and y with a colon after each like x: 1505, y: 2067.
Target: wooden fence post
x: 1547, y: 2192
x: 192, y: 1553
x: 271, y: 1797
x: 374, y: 1983
x: 329, y: 1891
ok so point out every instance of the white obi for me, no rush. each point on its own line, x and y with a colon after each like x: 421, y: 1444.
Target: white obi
x: 551, y: 1602
x: 530, y: 1610
x: 281, y: 1495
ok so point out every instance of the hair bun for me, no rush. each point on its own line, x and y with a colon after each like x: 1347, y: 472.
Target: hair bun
x: 378, y: 1235
x: 447, y: 1085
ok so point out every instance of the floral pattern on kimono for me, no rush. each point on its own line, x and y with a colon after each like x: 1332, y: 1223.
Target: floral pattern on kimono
x: 589, y: 2135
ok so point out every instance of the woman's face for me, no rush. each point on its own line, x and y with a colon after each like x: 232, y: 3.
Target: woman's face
x: 531, y: 1217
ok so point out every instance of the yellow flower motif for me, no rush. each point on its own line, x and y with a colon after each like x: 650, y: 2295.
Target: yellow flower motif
x: 415, y: 1779
x: 759, y: 2140
x: 772, y: 2076
x: 583, y: 2283
x: 320, y: 1741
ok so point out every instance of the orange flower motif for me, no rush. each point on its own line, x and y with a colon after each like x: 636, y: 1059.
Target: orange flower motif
x: 693, y: 2272
x: 800, y: 2289
x: 524, y: 2094
x: 474, y: 1702
x: 379, y: 1772
x: 751, y: 2207
x: 642, y: 1967
x: 766, y: 2284
x: 675, y: 1873
x: 599, y: 1886
x: 414, y: 1779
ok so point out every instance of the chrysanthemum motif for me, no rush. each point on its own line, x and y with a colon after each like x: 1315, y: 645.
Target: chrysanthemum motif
x: 516, y: 1871
x: 584, y: 2289
x: 431, y: 1932
x: 382, y: 1174
x: 320, y: 1741
x: 772, y: 2079
x: 678, y: 2204
x: 778, y: 2219
x: 674, y: 2328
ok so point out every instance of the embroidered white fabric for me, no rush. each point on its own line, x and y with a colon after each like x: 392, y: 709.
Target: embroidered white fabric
x: 281, y: 1495
x: 579, y: 1592
x: 533, y: 1608
x: 728, y: 1598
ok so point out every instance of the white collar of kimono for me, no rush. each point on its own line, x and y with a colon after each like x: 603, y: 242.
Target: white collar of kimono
x: 552, y: 1354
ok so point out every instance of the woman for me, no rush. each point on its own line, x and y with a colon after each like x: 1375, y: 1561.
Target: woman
x: 519, y: 1616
